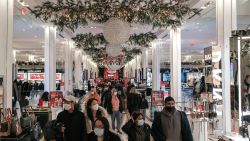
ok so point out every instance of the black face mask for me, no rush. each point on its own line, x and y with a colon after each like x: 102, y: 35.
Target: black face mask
x: 170, y: 109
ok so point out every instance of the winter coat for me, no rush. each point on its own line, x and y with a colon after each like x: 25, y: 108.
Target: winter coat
x: 109, y: 106
x: 112, y: 136
x: 100, y: 113
x: 157, y: 132
x: 130, y: 129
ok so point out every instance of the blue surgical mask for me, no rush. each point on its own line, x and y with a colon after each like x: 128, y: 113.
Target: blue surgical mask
x: 140, y: 122
x: 99, y: 132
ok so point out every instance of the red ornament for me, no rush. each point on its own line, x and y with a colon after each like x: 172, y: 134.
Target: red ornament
x: 24, y: 10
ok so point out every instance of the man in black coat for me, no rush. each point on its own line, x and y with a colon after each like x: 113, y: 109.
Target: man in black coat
x: 72, y: 121
x: 171, y: 124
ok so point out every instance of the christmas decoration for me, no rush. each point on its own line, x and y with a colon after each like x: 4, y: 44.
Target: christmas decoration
x: 116, y: 31
x: 72, y: 14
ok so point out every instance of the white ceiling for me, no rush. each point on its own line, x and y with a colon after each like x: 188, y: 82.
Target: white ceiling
x: 198, y: 33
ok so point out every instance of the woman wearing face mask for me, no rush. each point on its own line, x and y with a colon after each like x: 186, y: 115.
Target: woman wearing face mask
x: 114, y: 108
x: 136, y: 128
x: 93, y: 111
x: 92, y: 94
x: 101, y: 131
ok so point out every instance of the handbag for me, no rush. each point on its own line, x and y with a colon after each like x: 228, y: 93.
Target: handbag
x: 36, y: 131
x: 15, y: 125
x: 4, y: 125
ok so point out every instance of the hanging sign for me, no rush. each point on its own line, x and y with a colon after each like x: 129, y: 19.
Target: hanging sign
x: 41, y: 76
x: 157, y: 98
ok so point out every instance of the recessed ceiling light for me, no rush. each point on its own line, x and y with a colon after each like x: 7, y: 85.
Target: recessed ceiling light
x: 197, y: 23
x: 91, y: 27
x: 31, y: 26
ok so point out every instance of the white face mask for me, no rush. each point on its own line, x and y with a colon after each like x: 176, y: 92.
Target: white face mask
x: 115, y: 93
x: 92, y: 92
x: 140, y: 122
x: 99, y: 132
x: 66, y: 106
x: 95, y: 107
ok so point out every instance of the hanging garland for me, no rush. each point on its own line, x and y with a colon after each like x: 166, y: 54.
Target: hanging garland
x: 75, y: 13
x: 89, y: 40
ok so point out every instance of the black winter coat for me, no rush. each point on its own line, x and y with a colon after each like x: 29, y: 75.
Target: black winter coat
x: 133, y: 102
x: 75, y: 127
x: 157, y: 132
x: 130, y: 130
x: 111, y: 137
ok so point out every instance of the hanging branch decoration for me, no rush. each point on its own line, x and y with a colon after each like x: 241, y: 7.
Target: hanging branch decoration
x: 142, y: 39
x: 72, y: 14
x: 245, y: 50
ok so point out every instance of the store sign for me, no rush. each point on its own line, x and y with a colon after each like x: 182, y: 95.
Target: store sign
x: 157, y: 98
x: 56, y: 99
x: 22, y: 76
x: 41, y: 76
x: 217, y: 73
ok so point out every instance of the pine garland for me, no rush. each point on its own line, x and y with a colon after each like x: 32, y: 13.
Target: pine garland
x: 74, y: 13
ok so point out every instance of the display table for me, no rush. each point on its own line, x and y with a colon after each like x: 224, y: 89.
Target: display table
x: 43, y: 115
x: 235, y: 137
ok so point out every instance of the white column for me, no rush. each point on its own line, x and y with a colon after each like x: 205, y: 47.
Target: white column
x: 175, y: 63
x: 78, y: 69
x: 68, y: 66
x: 156, y: 65
x: 144, y: 62
x: 6, y: 55
x: 50, y: 58
x: 226, y: 22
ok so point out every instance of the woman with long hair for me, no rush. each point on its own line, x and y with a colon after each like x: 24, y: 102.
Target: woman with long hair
x: 101, y: 131
x: 92, y: 111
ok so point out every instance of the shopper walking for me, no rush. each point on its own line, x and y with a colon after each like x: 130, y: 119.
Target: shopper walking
x: 92, y: 111
x: 143, y: 105
x: 171, y: 124
x: 133, y: 101
x: 114, y: 108
x: 136, y: 128
x: 73, y: 126
x: 101, y: 131
x: 92, y: 94
x: 247, y: 89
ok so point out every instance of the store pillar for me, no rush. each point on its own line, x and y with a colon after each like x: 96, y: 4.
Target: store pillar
x: 50, y: 58
x: 78, y: 69
x: 156, y: 65
x: 144, y: 63
x: 6, y: 55
x: 175, y: 63
x: 68, y: 66
x: 226, y: 18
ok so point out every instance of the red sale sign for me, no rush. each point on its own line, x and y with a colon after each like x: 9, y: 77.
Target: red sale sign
x: 56, y: 99
x: 41, y: 76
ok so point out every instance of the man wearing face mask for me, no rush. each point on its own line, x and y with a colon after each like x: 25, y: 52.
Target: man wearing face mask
x: 171, y: 124
x: 74, y: 128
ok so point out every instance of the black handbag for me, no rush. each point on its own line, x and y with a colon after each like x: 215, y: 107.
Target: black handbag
x: 4, y: 125
x: 36, y: 131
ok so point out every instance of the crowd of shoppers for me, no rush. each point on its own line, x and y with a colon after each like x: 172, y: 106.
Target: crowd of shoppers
x: 91, y: 121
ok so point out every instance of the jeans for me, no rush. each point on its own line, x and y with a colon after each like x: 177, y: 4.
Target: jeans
x: 116, y: 115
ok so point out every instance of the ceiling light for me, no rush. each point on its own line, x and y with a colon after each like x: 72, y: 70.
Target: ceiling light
x: 91, y: 27
x: 197, y: 23
x: 35, y: 36
x: 203, y: 7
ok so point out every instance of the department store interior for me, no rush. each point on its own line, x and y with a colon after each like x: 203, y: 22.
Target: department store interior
x: 197, y: 51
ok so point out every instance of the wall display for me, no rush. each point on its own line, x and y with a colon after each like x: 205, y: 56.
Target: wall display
x: 149, y: 77
x: 240, y: 79
x: 22, y: 76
